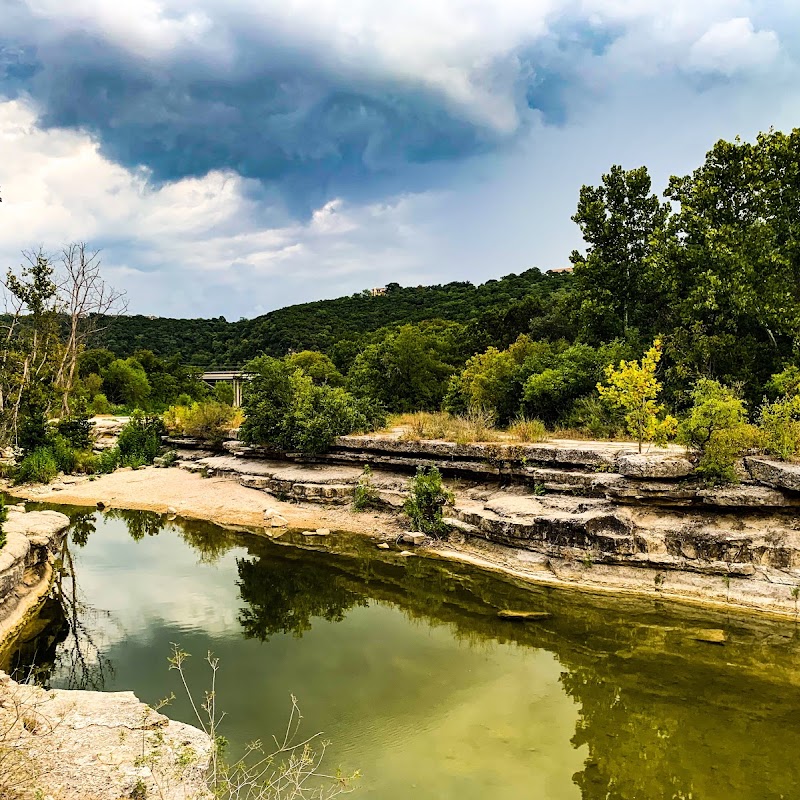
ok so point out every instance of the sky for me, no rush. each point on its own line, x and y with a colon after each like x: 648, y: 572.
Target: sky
x: 230, y: 157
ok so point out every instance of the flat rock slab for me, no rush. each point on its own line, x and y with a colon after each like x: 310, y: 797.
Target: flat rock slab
x: 653, y: 465
x: 747, y: 497
x: 710, y: 635
x: 774, y: 473
x: 36, y: 524
x: 88, y: 745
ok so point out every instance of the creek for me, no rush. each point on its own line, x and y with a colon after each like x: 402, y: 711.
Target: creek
x: 406, y: 667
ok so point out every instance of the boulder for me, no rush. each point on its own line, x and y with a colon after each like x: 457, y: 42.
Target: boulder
x: 710, y: 635
x: 412, y: 537
x: 653, y: 465
x: 277, y: 521
x: 383, y: 546
x: 323, y: 532
x: 774, y: 473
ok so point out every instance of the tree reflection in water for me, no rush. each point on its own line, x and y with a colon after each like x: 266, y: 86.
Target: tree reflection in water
x: 284, y: 597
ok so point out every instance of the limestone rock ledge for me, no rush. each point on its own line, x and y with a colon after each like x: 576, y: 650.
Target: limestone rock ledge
x: 32, y: 544
x: 69, y: 744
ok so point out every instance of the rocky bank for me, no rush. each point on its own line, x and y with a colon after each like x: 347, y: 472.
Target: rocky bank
x: 596, y: 515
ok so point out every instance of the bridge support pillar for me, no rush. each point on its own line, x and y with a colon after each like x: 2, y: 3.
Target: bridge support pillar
x: 237, y: 393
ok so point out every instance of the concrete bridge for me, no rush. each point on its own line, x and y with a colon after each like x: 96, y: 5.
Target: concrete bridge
x: 233, y: 375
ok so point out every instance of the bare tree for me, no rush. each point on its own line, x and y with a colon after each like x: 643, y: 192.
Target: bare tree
x: 87, y: 300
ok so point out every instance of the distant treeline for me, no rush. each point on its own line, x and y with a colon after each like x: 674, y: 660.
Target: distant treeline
x: 340, y: 327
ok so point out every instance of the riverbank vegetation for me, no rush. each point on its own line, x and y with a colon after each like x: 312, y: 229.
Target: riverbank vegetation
x: 680, y: 318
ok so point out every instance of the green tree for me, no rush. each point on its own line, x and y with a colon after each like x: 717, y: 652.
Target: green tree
x: 317, y: 366
x: 633, y: 388
x: 405, y: 371
x: 125, y: 382
x: 619, y: 220
x: 732, y: 262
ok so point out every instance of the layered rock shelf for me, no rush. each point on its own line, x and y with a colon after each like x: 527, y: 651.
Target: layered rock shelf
x: 597, y: 514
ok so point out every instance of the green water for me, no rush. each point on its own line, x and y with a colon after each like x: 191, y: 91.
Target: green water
x: 405, y: 667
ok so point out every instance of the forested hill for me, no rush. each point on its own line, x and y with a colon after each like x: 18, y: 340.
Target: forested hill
x: 321, y: 325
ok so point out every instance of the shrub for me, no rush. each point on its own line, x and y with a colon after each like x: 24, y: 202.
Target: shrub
x: 725, y: 446
x: 139, y: 441
x: 366, y: 496
x: 287, y: 410
x: 76, y: 430
x: 427, y: 497
x: 780, y: 426
x: 37, y: 467
x: 715, y: 408
x: 63, y: 454
x: 593, y: 417
x: 528, y: 430
x: 209, y: 420
x: 108, y: 461
x: 34, y: 431
x: 100, y: 404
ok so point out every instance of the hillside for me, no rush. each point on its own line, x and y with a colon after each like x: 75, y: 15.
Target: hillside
x: 320, y: 325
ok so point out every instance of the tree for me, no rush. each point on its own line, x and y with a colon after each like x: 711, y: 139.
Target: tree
x: 618, y: 220
x: 633, y: 388
x: 405, y: 371
x: 732, y: 262
x: 125, y: 382
x: 86, y: 299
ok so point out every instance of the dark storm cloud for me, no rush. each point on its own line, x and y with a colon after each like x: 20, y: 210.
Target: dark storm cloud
x: 272, y: 111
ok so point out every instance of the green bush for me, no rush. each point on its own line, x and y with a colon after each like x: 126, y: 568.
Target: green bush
x: 366, y: 496
x: 780, y: 426
x: 722, y: 450
x: 427, y: 497
x: 209, y: 420
x: 64, y: 455
x: 715, y: 408
x: 107, y: 461
x: 285, y: 409
x: 37, y: 467
x: 77, y: 430
x: 100, y: 404
x: 594, y: 417
x: 34, y: 431
x: 139, y: 441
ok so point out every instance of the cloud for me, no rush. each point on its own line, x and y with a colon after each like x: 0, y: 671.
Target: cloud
x: 734, y: 46
x: 234, y: 157
x: 350, y: 98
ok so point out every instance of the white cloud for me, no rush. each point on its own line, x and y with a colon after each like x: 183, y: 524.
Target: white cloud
x: 199, y: 242
x: 734, y: 46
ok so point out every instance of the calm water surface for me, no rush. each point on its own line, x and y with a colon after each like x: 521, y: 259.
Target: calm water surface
x: 405, y: 667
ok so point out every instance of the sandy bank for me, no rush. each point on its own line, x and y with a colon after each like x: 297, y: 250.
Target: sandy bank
x: 221, y: 499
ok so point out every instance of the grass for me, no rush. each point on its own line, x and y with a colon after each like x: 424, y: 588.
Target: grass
x: 477, y: 426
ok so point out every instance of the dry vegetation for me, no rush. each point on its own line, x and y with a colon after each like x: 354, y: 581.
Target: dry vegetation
x: 476, y: 426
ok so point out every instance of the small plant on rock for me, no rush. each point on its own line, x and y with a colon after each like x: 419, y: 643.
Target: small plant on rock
x: 366, y: 495
x: 427, y: 497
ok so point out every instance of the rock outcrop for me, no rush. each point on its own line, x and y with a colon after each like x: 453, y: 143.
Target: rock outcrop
x: 32, y: 544
x: 77, y: 745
